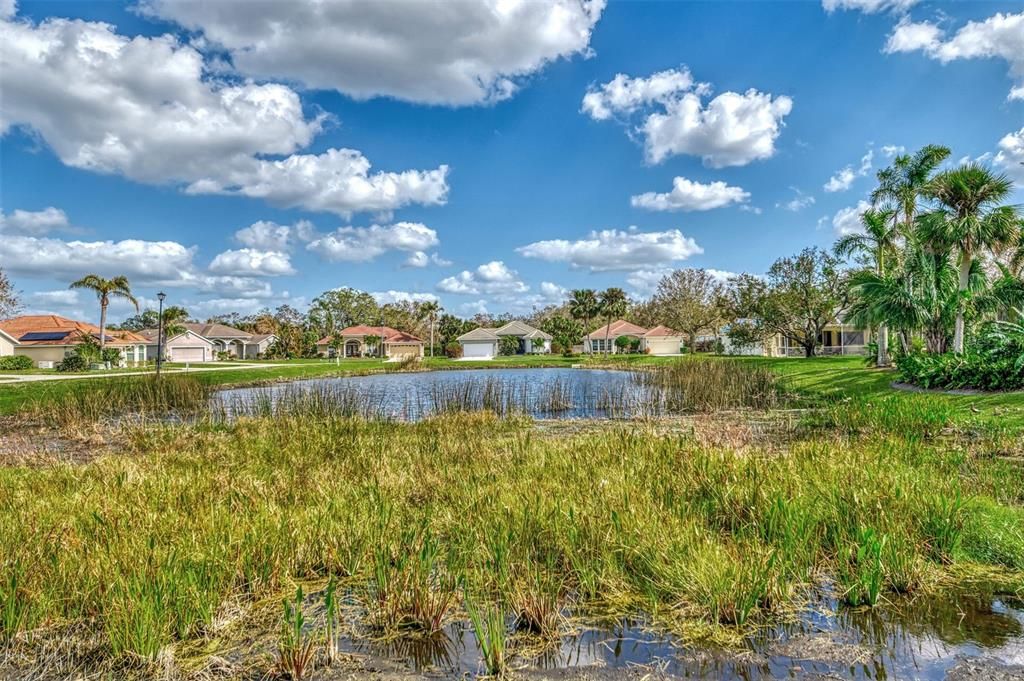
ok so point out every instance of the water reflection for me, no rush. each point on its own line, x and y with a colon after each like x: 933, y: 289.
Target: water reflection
x: 918, y: 639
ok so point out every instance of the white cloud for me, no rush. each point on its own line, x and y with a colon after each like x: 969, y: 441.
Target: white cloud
x: 252, y: 262
x: 384, y: 297
x: 552, y: 292
x: 61, y: 298
x: 269, y: 236
x: 212, y: 307
x: 868, y: 6
x: 891, y: 150
x: 363, y: 244
x: 474, y: 307
x: 34, y: 223
x: 797, y: 203
x: 438, y: 52
x: 1001, y: 36
x: 844, y: 178
x: 336, y: 181
x: 1010, y: 156
x: 645, y: 282
x: 613, y: 249
x: 847, y: 220
x: 687, y: 195
x: 625, y: 95
x: 421, y: 259
x: 151, y: 109
x: 490, y: 278
x: 731, y: 130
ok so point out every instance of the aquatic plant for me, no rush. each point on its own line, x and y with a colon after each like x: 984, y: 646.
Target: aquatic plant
x: 491, y: 637
x: 295, y: 650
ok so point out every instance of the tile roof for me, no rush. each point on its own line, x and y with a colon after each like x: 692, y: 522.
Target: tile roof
x: 216, y: 330
x: 51, y: 325
x: 620, y: 327
x: 480, y: 334
x: 662, y: 331
x: 360, y: 330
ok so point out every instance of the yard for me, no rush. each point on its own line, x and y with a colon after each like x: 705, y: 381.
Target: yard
x: 171, y: 548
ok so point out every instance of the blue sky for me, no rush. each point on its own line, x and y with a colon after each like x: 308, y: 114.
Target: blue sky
x: 145, y: 138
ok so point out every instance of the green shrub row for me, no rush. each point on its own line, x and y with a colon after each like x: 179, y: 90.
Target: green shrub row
x: 15, y: 363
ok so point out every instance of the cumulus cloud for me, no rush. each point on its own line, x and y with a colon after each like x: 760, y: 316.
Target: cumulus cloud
x: 490, y: 278
x: 34, y: 223
x: 645, y: 282
x: 847, y: 220
x: 252, y: 262
x: 891, y: 150
x: 437, y: 52
x: 613, y: 249
x: 363, y: 244
x: 868, y: 6
x: 420, y: 259
x: 797, y: 203
x: 1010, y: 156
x: 687, y: 195
x: 732, y: 129
x: 1001, y: 36
x: 384, y: 297
x: 270, y: 236
x: 59, y: 298
x: 150, y: 109
x: 844, y: 178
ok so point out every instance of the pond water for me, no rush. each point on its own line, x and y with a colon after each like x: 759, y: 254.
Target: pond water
x: 543, y: 393
x: 932, y: 639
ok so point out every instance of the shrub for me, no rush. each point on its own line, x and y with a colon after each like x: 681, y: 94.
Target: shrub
x: 623, y: 343
x: 453, y: 350
x: 73, y: 362
x: 969, y: 370
x: 508, y: 345
x: 112, y: 355
x: 15, y: 363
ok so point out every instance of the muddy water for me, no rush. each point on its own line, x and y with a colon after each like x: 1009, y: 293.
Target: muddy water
x: 956, y: 639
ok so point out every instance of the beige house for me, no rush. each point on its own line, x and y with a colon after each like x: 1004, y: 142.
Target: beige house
x: 47, y: 339
x: 485, y: 343
x: 838, y: 338
x: 397, y: 344
x: 188, y: 347
x: 660, y: 340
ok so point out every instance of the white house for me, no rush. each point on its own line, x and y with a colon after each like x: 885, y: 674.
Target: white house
x: 485, y: 343
x: 187, y: 346
x: 660, y: 340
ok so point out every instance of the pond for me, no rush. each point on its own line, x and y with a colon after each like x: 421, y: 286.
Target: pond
x: 542, y: 393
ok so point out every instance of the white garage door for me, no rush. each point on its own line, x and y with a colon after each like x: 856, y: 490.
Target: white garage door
x: 403, y: 351
x: 484, y: 349
x: 188, y: 354
x: 663, y: 346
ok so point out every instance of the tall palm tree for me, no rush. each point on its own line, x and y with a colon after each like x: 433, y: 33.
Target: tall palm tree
x: 903, y: 183
x: 972, y: 219
x: 429, y: 311
x: 614, y: 304
x: 879, y: 243
x: 105, y: 289
x: 584, y: 306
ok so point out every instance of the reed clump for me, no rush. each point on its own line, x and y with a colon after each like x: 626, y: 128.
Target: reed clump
x: 420, y: 518
x: 706, y: 385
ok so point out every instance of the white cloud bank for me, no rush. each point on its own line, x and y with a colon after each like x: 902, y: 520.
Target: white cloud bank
x: 435, y: 52
x: 34, y: 223
x: 1001, y: 36
x: 868, y: 6
x: 732, y: 129
x: 363, y: 244
x: 687, y: 195
x: 1010, y: 157
x: 494, y: 277
x: 150, y: 109
x: 613, y: 249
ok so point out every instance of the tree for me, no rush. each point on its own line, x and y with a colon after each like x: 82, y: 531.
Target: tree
x: 450, y: 327
x: 340, y: 308
x: 584, y: 306
x: 878, y: 245
x: 613, y: 304
x: 564, y: 332
x: 105, y: 289
x: 9, y: 302
x: 972, y: 219
x: 689, y: 300
x: 797, y: 299
x: 147, y: 319
x: 429, y: 311
x: 374, y: 342
x: 508, y: 345
x: 903, y: 183
x: 175, y: 317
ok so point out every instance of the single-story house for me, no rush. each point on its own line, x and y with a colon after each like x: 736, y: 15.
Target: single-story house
x: 187, y: 346
x: 235, y: 342
x: 660, y: 340
x: 46, y: 339
x: 837, y: 338
x: 397, y: 344
x: 485, y: 343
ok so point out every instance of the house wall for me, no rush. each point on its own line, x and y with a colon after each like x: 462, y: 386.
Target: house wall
x: 6, y: 347
x: 43, y: 353
x: 187, y: 339
x: 403, y: 350
x: 538, y: 346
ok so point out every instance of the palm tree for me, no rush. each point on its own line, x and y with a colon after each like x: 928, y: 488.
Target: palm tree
x: 117, y: 287
x: 175, y: 317
x: 614, y: 304
x: 879, y: 243
x: 971, y: 219
x: 429, y: 310
x: 903, y: 183
x: 584, y: 306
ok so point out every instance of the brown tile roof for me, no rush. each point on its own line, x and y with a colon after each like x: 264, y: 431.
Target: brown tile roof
x: 620, y: 327
x: 661, y: 330
x: 390, y: 335
x: 52, y: 324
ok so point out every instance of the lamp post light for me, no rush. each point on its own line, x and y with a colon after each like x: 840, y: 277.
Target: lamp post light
x: 160, y: 333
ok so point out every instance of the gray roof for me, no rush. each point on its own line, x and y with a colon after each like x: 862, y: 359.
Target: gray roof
x: 480, y: 334
x: 521, y: 329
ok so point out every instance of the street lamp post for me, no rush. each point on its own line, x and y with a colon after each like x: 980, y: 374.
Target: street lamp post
x: 160, y: 333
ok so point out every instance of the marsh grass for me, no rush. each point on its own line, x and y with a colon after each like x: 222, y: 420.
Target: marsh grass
x: 491, y: 635
x: 706, y: 385
x: 296, y: 649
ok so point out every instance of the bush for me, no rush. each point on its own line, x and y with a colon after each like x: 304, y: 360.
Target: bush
x: 73, y: 362
x: 994, y: 361
x: 508, y: 345
x: 15, y: 363
x: 112, y: 355
x: 453, y: 350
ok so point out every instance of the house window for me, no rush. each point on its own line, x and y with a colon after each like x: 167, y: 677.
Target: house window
x: 600, y: 345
